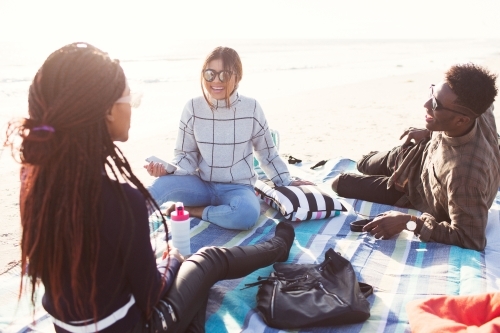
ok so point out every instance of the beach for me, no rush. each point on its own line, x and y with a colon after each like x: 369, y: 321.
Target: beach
x: 322, y: 106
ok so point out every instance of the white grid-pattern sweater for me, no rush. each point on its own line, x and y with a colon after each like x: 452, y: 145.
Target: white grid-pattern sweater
x: 219, y: 145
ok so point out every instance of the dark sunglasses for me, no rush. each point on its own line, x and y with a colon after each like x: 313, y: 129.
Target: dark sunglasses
x: 435, y: 104
x: 209, y: 75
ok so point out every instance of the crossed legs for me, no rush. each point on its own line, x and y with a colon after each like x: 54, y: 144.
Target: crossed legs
x: 376, y: 167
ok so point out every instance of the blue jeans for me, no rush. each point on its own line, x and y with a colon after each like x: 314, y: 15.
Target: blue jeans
x: 231, y: 206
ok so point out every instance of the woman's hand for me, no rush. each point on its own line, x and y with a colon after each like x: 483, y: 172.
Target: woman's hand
x: 415, y: 134
x: 174, y: 253
x: 301, y: 182
x: 156, y: 169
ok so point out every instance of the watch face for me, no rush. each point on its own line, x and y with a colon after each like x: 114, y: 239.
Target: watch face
x: 411, y: 225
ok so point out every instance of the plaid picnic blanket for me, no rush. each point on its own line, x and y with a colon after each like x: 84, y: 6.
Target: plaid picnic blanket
x: 400, y: 269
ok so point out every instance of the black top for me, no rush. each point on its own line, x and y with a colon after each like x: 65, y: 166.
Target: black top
x: 118, y: 279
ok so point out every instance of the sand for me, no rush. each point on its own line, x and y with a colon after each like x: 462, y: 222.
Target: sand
x: 346, y: 120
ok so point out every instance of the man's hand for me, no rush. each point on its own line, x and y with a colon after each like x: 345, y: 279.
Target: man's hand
x: 387, y: 224
x: 156, y: 169
x: 415, y: 134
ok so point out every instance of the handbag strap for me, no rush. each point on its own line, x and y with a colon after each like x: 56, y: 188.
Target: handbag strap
x: 291, y: 284
x: 366, y: 289
x: 260, y: 280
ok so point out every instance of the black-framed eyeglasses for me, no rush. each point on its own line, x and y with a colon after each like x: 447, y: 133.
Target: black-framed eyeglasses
x: 436, y: 104
x: 209, y: 75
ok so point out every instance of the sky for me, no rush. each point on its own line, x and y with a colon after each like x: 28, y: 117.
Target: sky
x: 108, y: 22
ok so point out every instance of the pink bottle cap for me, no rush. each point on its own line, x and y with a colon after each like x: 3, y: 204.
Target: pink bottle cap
x: 179, y: 214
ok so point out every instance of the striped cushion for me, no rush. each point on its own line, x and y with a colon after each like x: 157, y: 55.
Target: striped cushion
x: 299, y: 203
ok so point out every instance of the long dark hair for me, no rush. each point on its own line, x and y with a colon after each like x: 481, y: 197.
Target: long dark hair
x: 65, y: 151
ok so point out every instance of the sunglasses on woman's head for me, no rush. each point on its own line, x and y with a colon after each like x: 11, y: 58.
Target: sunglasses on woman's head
x: 134, y: 99
x: 209, y: 75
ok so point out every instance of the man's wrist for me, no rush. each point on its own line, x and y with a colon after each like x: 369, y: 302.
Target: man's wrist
x: 411, y: 223
x: 420, y: 224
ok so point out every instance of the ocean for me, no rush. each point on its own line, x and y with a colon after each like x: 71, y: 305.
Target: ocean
x: 167, y: 72
x: 176, y: 65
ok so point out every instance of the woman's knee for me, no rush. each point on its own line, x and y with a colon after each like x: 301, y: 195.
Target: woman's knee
x: 160, y: 188
x: 189, y: 189
x: 208, y: 257
x: 245, y: 213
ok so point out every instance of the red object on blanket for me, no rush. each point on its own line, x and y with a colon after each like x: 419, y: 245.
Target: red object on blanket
x: 471, y: 314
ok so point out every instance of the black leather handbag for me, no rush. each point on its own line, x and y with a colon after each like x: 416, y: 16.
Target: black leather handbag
x: 299, y: 296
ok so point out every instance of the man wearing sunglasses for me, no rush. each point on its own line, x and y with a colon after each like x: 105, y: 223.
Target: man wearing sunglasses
x: 450, y: 171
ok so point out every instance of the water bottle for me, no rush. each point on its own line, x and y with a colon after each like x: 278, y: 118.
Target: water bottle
x: 180, y: 227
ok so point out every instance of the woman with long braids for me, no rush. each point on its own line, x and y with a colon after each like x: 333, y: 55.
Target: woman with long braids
x: 84, y: 215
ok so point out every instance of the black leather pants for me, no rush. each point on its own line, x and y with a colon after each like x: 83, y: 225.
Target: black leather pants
x: 188, y: 294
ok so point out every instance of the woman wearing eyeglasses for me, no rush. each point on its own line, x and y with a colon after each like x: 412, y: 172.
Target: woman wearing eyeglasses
x: 85, y: 235
x: 219, y: 135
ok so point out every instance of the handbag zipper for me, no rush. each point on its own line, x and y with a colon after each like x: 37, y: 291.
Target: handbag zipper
x: 172, y: 313
x: 162, y: 318
x: 272, y: 298
x: 323, y: 264
x: 170, y: 310
x: 329, y: 293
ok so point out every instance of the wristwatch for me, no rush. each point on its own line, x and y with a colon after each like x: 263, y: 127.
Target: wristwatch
x: 411, y: 225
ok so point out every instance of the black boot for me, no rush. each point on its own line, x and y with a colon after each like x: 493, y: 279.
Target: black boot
x: 285, y: 231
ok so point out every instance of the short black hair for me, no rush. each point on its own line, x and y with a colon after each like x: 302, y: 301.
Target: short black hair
x: 474, y: 86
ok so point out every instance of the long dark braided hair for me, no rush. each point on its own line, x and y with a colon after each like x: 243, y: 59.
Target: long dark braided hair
x: 65, y: 150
